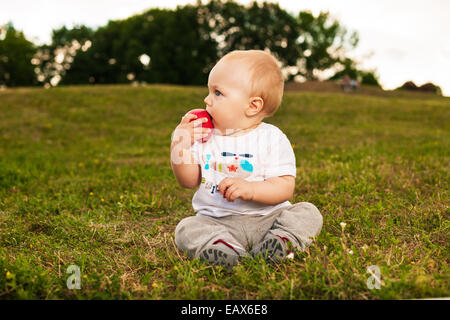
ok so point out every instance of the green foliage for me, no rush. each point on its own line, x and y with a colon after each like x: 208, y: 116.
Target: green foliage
x: 350, y: 68
x: 183, y: 44
x: 258, y: 26
x: 66, y: 43
x: 63, y: 36
x: 173, y: 40
x: 85, y: 180
x: 323, y: 43
x: 369, y: 78
x: 16, y: 53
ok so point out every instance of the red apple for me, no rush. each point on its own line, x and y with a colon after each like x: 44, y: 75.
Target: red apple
x: 202, y: 113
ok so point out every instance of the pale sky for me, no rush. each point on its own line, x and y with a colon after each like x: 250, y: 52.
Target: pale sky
x: 402, y: 39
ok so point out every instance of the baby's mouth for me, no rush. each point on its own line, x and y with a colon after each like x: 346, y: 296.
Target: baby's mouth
x: 212, y: 119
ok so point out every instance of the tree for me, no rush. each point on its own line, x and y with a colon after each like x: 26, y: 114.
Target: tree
x: 349, y: 67
x: 16, y: 53
x: 369, y: 78
x: 305, y: 45
x: 258, y: 26
x: 157, y: 46
x: 180, y: 46
x: 427, y: 87
x: 56, y: 59
x: 323, y: 44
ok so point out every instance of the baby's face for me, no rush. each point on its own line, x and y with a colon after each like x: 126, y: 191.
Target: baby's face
x: 229, y: 94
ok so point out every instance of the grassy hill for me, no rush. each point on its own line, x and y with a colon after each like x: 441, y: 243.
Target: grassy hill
x: 85, y: 180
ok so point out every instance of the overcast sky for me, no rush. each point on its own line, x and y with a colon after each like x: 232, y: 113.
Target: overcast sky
x: 402, y: 39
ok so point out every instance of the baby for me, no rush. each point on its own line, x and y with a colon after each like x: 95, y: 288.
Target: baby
x: 245, y: 171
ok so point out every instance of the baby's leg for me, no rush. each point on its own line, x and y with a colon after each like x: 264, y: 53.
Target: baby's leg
x: 206, y: 238
x: 298, y: 223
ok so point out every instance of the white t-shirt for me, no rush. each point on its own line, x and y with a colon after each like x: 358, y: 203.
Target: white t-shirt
x: 262, y: 153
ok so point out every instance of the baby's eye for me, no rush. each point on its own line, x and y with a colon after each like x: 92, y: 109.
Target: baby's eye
x: 217, y: 93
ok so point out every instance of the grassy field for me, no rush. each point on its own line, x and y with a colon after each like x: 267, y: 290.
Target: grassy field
x: 85, y: 180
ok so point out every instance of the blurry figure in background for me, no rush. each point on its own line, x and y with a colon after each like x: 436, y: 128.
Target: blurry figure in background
x: 348, y: 84
x: 354, y: 84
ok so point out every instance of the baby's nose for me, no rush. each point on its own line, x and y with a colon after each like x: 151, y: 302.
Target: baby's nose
x: 207, y: 100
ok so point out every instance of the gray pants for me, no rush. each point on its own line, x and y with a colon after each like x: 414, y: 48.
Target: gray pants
x: 298, y: 223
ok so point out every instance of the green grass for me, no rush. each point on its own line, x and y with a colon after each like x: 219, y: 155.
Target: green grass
x: 85, y: 179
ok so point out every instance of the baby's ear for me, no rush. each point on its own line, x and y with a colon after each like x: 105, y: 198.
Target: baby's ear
x: 255, y: 106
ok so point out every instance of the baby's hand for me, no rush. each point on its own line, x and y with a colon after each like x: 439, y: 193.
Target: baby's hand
x: 190, y: 130
x: 233, y: 188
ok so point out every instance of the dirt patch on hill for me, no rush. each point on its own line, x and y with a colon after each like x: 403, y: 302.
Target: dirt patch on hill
x: 334, y: 86
x: 330, y: 86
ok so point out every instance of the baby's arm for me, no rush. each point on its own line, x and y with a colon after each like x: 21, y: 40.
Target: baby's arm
x: 274, y: 190
x: 188, y: 175
x: 271, y: 191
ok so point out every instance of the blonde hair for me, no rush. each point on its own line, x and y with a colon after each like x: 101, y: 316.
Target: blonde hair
x: 266, y: 77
